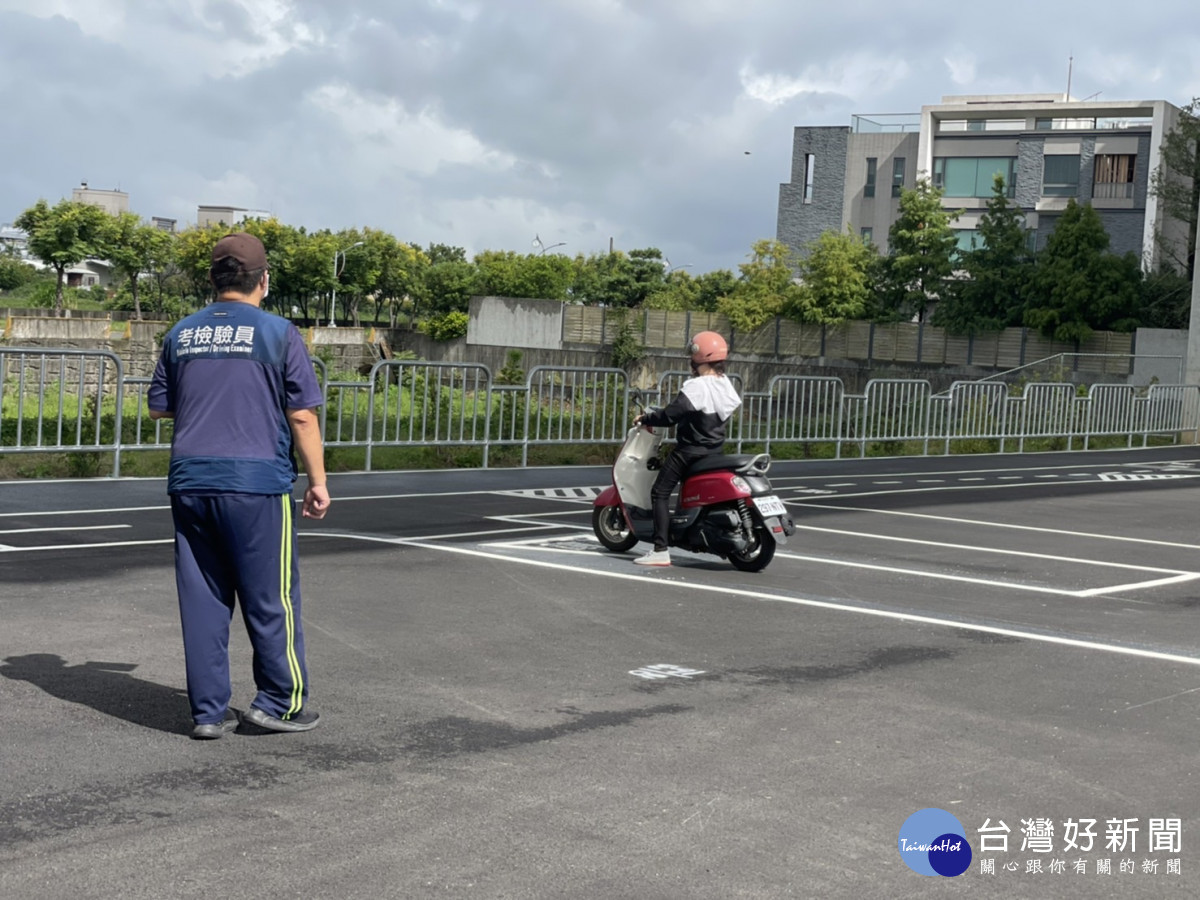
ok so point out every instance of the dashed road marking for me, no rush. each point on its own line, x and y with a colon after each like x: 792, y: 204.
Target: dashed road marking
x: 574, y: 493
x: 1140, y: 476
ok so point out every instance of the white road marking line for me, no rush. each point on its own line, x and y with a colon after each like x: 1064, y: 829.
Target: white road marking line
x: 7, y: 549
x: 929, y: 481
x: 947, y: 487
x: 1137, y: 586
x: 1018, y: 477
x: 967, y: 579
x: 167, y: 507
x: 957, y: 520
x: 983, y: 549
x: 62, y: 528
x: 844, y: 484
x: 1158, y: 700
x: 438, y: 537
x: 1045, y: 476
x: 83, y: 512
x: 1023, y: 469
x: 762, y: 596
x: 972, y: 479
x: 518, y: 517
x: 1174, y: 575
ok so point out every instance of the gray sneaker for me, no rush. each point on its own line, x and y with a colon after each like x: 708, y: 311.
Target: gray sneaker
x: 215, y: 730
x: 305, y: 720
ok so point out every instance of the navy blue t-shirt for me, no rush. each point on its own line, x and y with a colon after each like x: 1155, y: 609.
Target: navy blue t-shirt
x: 229, y: 373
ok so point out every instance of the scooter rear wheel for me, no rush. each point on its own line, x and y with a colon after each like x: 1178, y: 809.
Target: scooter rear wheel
x: 756, y: 558
x: 611, y: 528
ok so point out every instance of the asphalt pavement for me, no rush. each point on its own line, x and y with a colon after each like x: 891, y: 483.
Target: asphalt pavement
x: 508, y: 710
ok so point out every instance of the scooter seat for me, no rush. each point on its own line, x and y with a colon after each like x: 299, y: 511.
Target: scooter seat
x: 719, y: 461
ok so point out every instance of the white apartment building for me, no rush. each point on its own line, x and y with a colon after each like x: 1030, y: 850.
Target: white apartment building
x: 1048, y: 147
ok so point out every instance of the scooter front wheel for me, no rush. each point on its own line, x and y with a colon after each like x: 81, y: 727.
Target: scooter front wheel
x: 755, y: 558
x: 611, y: 528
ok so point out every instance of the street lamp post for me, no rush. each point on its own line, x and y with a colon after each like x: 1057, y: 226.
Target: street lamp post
x: 668, y: 268
x: 537, y: 242
x: 337, y: 271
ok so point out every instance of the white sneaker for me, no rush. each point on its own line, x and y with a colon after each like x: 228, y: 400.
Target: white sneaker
x: 654, y: 558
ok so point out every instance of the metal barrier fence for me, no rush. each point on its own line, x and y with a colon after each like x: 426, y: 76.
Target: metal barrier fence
x: 80, y: 401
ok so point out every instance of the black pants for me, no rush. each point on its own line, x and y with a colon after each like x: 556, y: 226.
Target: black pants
x: 669, y: 476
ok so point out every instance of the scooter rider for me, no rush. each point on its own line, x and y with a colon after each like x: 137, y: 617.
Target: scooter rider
x: 700, y: 411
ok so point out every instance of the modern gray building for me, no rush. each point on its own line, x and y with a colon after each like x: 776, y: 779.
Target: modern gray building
x: 1049, y: 148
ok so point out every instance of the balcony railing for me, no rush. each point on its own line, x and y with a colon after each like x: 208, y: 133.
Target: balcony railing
x: 1110, y: 191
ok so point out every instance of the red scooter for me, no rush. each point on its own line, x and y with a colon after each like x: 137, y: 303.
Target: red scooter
x: 726, y: 505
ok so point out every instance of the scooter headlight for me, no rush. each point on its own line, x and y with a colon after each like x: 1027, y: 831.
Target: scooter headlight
x: 740, y: 485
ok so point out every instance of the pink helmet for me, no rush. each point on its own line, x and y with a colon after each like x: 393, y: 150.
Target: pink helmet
x: 708, y: 347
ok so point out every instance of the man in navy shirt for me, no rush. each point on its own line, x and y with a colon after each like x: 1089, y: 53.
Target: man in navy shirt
x: 240, y: 386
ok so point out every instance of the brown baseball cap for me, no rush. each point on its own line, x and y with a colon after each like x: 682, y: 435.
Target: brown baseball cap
x: 239, y: 252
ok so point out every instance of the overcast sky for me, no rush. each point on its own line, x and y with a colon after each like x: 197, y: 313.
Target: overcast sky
x: 482, y: 123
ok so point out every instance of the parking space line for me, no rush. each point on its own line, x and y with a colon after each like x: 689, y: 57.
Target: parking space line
x: 962, y: 521
x: 999, y: 550
x: 62, y: 528
x: 988, y: 582
x: 82, y: 512
x: 11, y: 549
x: 709, y: 588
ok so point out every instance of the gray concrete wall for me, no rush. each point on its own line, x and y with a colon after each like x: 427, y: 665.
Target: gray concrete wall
x: 512, y: 322
x: 800, y: 223
x: 878, y: 212
x: 1154, y: 346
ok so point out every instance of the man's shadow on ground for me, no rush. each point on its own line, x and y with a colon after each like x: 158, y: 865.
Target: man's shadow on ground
x: 106, y: 687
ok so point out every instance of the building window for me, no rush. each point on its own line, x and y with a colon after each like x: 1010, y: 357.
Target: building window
x: 972, y: 176
x: 1060, y: 176
x: 869, y: 188
x: 867, y: 235
x: 810, y: 166
x: 966, y: 240
x: 897, y: 175
x: 1113, y: 179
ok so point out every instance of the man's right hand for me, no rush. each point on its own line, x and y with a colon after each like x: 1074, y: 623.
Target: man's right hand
x: 316, y: 502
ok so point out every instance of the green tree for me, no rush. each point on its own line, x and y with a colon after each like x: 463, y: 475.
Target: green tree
x: 679, y: 292
x: 766, y: 288
x: 1078, y: 286
x: 1176, y: 184
x: 836, y: 280
x: 64, y: 235
x: 537, y: 276
x: 400, y: 277
x: 712, y: 286
x: 605, y: 279
x: 1166, y: 299
x: 135, y: 250
x: 648, y: 268
x: 922, y: 247
x: 448, y: 288
x: 996, y: 272
x: 193, y: 255
x: 438, y: 253
x: 14, y: 273
x: 361, y: 267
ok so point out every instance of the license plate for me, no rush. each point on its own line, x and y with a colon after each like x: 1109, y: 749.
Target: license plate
x: 770, y: 506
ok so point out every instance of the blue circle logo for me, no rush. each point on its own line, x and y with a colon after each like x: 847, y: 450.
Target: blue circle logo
x: 933, y: 842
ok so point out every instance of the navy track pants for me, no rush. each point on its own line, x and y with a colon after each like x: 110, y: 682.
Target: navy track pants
x: 239, y: 544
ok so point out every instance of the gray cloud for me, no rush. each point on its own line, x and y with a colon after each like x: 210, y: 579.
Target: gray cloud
x: 482, y: 123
